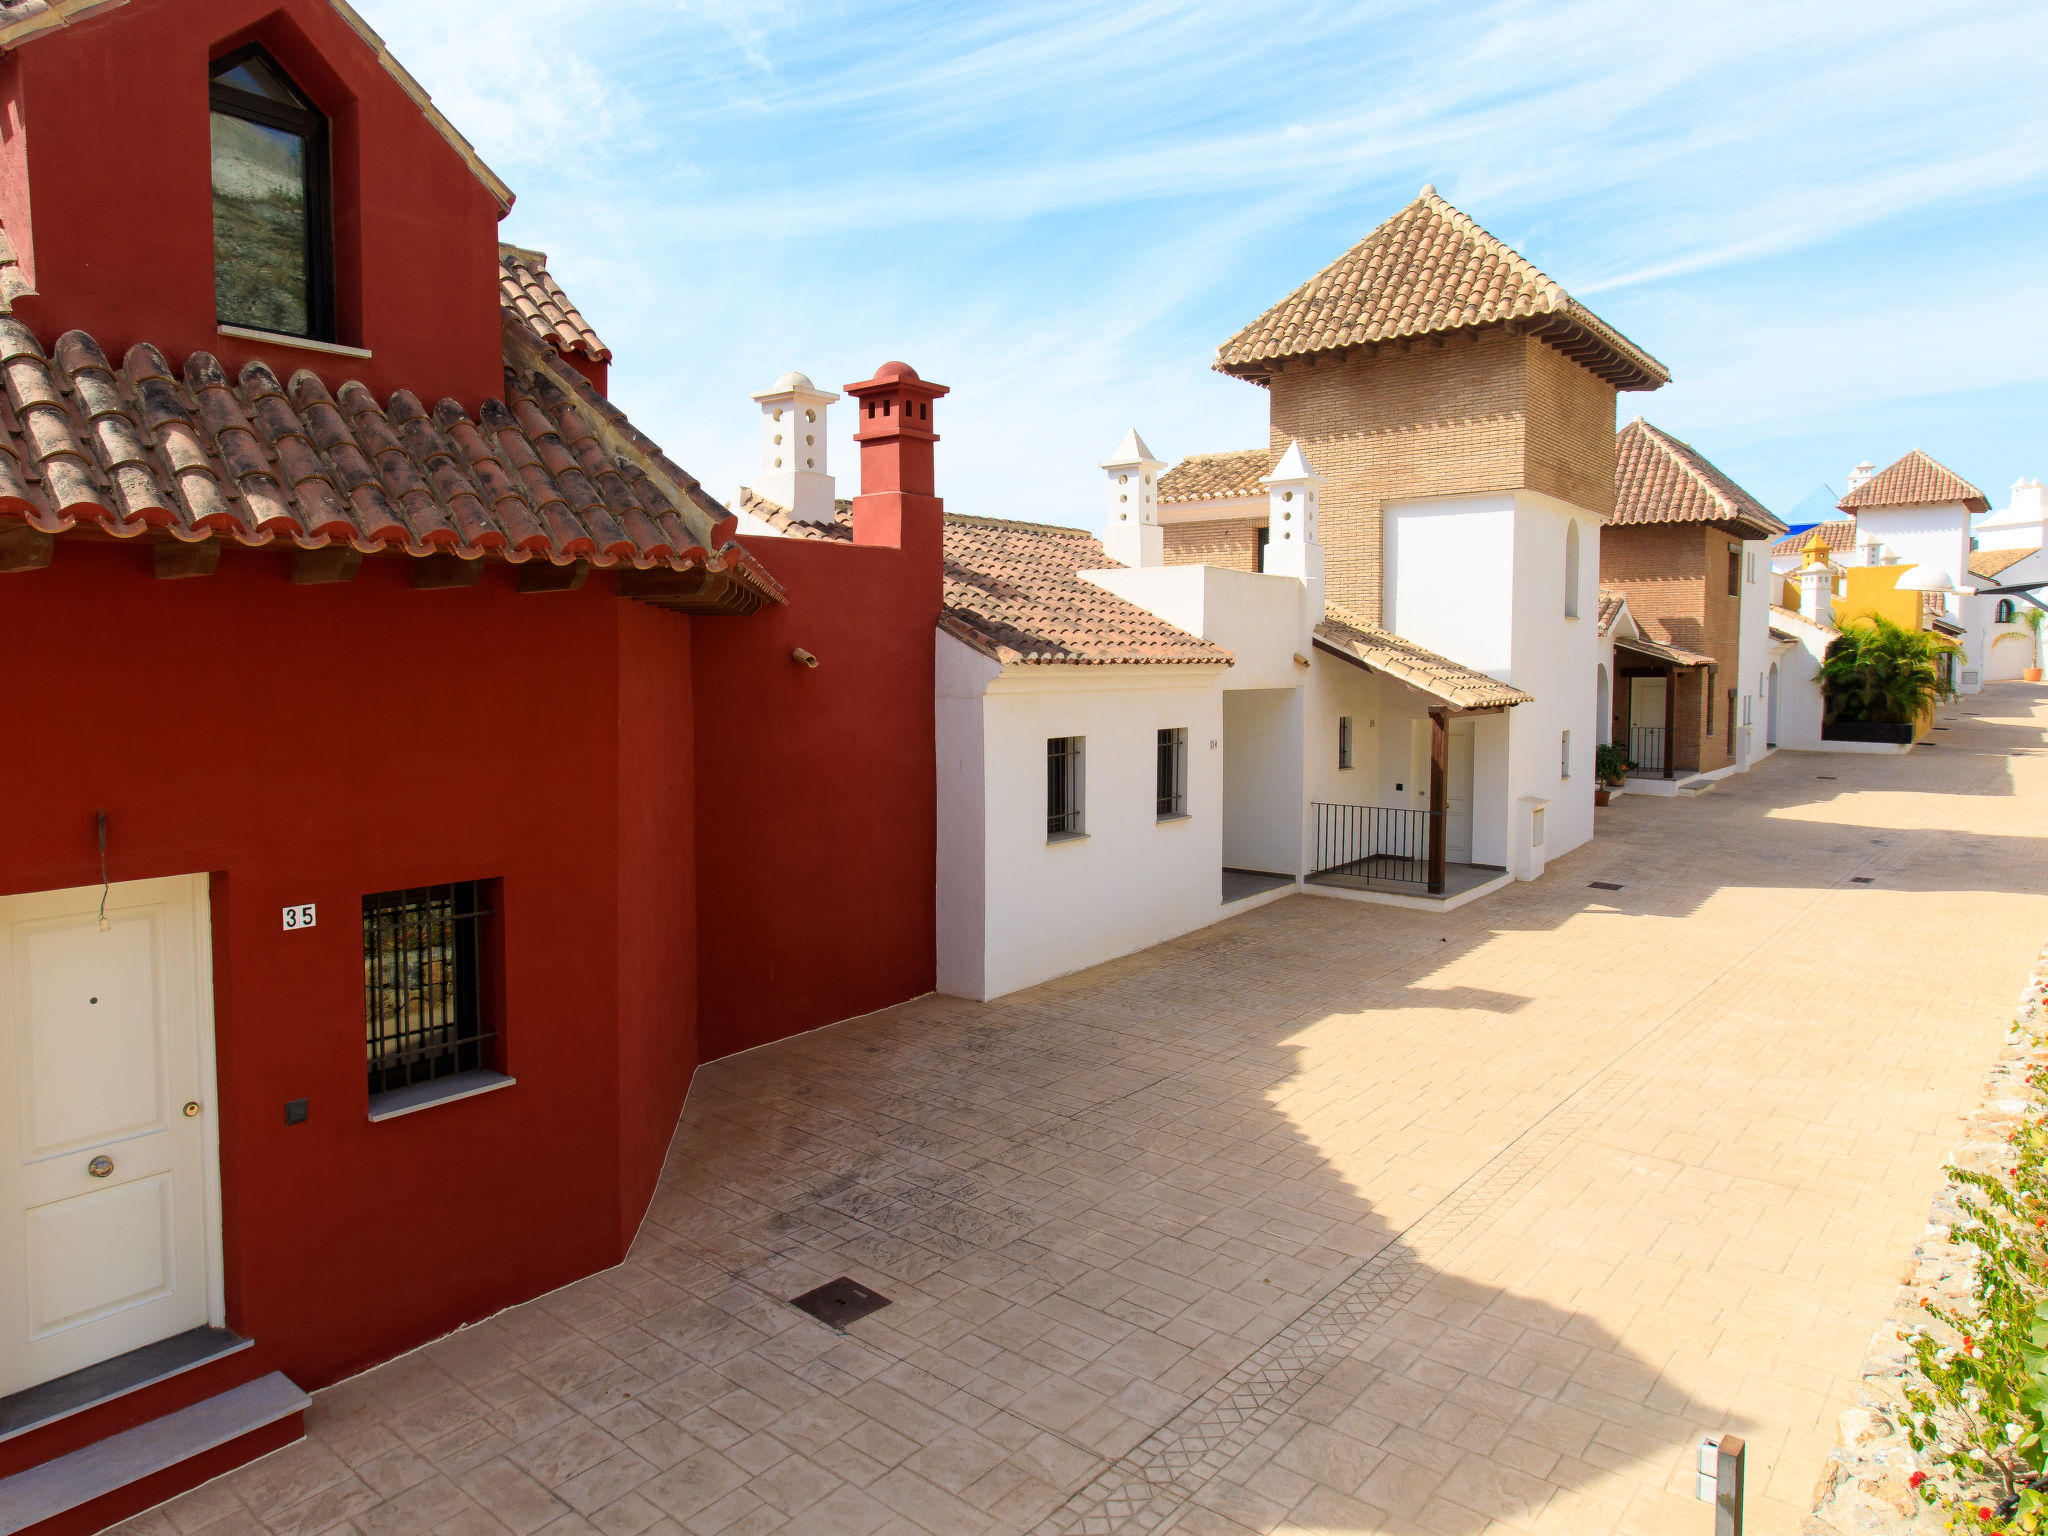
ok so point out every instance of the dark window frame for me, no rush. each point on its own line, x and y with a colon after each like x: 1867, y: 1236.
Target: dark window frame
x: 1262, y: 536
x: 312, y: 126
x: 1345, y: 742
x: 1735, y: 570
x: 1170, y: 777
x: 1066, y: 788
x: 420, y: 1027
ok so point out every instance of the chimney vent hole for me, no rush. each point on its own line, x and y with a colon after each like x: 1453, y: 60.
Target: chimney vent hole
x: 810, y: 415
x: 778, y: 439
x: 778, y: 413
x: 810, y: 463
x: 778, y: 463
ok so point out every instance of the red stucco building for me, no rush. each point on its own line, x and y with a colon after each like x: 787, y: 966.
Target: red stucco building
x: 413, y: 778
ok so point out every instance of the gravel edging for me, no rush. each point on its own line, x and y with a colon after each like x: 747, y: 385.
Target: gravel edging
x: 1863, y: 1490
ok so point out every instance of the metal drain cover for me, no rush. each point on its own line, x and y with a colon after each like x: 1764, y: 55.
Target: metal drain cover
x: 1602, y: 885
x: 839, y: 1302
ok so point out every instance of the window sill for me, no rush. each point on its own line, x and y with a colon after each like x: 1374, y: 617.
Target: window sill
x: 1066, y: 837
x: 445, y: 1090
x: 1176, y: 816
x: 279, y: 339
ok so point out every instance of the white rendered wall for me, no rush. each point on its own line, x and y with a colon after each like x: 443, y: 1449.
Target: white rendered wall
x: 1450, y: 578
x: 1255, y: 617
x: 1262, y: 780
x: 1132, y: 880
x: 1336, y: 689
x: 1554, y: 659
x: 1799, y: 697
x: 1937, y: 536
x: 963, y: 675
x: 1753, y: 653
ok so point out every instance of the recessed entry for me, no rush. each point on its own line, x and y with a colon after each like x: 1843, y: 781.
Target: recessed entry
x: 1602, y: 885
x: 839, y: 1302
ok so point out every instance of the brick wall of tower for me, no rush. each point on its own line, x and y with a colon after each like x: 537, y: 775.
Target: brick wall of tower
x: 1232, y: 543
x: 1569, y: 449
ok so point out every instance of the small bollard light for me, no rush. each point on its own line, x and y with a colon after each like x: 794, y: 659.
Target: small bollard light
x: 1719, y: 1481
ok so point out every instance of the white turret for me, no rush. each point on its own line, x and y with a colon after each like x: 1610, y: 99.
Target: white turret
x: 1131, y: 534
x: 793, y: 469
x: 1294, y: 544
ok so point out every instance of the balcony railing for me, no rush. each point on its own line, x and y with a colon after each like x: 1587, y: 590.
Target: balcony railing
x: 1646, y: 749
x: 1374, y: 842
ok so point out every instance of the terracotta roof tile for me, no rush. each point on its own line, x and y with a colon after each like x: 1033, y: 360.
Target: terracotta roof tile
x: 527, y: 289
x: 1216, y: 476
x: 1345, y: 634
x: 1658, y: 479
x: 1429, y: 269
x: 1611, y: 604
x: 548, y: 472
x: 1988, y: 563
x: 1837, y: 533
x: 1914, y: 481
x: 1792, y: 620
x: 1014, y: 591
x: 784, y: 522
x: 1678, y: 655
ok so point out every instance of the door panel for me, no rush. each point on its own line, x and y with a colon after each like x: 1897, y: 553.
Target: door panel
x: 1646, y: 702
x: 106, y: 1240
x: 1458, y: 794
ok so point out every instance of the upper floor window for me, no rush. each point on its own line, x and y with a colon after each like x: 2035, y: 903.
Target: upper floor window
x: 1571, y: 571
x: 1343, y: 741
x: 1734, y: 570
x: 272, y: 266
x: 2005, y: 611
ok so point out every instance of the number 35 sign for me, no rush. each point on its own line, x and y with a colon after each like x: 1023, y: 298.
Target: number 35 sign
x: 298, y: 917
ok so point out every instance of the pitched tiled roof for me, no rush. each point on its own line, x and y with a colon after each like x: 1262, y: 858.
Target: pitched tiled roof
x: 550, y: 472
x: 1914, y: 481
x: 1838, y: 534
x: 527, y: 289
x: 1792, y: 619
x: 23, y: 20
x: 1987, y: 563
x: 784, y: 522
x: 1428, y: 269
x: 1344, y: 634
x: 1217, y: 476
x: 1678, y: 655
x: 1611, y: 604
x: 1658, y: 479
x: 1014, y: 591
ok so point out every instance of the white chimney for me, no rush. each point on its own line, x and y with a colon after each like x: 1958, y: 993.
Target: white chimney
x: 2027, y: 499
x: 1861, y: 474
x: 1817, y: 584
x: 1131, y: 534
x: 1294, y: 545
x: 793, y: 469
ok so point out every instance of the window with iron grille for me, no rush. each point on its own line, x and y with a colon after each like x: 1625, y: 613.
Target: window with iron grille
x: 1173, y: 773
x: 1564, y: 757
x: 1343, y: 741
x: 422, y: 984
x: 1064, y: 783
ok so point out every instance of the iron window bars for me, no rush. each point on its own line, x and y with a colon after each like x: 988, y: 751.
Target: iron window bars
x: 1343, y: 741
x: 273, y: 244
x: 1063, y: 787
x: 423, y: 1015
x: 1172, y: 798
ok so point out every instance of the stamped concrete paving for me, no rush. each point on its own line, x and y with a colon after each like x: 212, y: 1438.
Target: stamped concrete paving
x: 1332, y: 1218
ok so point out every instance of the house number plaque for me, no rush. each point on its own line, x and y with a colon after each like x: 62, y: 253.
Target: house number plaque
x: 298, y: 917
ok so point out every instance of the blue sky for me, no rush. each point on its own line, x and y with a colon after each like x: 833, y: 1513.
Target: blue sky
x: 1826, y: 219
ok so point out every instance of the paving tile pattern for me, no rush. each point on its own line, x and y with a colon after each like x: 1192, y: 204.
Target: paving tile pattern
x: 1330, y: 1218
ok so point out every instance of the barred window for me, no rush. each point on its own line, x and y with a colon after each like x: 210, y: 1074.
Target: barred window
x: 422, y: 984
x: 1343, y: 741
x: 1064, y: 787
x: 1173, y: 773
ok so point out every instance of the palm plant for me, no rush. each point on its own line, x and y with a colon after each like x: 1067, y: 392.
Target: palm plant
x: 1879, y: 670
x: 2032, y: 617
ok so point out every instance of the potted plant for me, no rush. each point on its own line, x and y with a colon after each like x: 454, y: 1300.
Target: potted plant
x: 2032, y: 617
x: 1610, y: 770
x: 1878, y: 678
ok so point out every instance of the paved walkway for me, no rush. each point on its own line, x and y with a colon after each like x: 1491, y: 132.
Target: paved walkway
x: 1331, y: 1218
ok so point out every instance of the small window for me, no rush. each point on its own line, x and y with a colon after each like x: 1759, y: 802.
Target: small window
x: 1259, y: 548
x: 1571, y: 570
x: 1734, y: 570
x: 423, y: 1004
x: 1064, y: 783
x: 1173, y: 773
x: 1564, y: 757
x: 272, y: 261
x: 1710, y: 703
x: 1749, y: 568
x: 1343, y: 741
x: 1731, y: 720
x: 2005, y: 611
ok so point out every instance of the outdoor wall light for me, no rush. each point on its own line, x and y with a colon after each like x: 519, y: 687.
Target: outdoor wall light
x: 802, y: 656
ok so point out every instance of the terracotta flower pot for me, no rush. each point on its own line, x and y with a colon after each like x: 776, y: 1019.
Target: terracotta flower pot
x: 1601, y: 797
x: 2032, y: 674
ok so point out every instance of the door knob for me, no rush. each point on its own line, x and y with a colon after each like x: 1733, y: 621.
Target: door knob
x: 191, y: 1108
x: 100, y: 1166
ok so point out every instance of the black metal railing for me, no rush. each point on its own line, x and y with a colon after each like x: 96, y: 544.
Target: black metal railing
x: 1373, y: 842
x: 1646, y: 749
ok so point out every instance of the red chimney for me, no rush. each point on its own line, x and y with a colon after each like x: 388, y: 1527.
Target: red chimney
x: 895, y: 438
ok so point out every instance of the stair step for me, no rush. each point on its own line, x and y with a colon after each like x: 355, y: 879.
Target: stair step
x: 44, y: 1492
x: 49, y: 1401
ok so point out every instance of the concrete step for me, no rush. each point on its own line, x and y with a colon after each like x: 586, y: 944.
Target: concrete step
x: 83, y: 1491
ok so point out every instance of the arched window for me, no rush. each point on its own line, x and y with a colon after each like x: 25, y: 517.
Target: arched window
x: 2005, y: 611
x: 1571, y: 570
x: 272, y: 251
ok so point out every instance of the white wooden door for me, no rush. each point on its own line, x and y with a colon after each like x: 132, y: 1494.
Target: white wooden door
x: 1646, y: 703
x: 1458, y: 795
x: 108, y: 1220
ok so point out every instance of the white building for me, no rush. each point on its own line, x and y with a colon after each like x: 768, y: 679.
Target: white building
x: 2009, y: 553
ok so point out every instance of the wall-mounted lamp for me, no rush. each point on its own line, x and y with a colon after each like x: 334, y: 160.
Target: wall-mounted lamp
x: 803, y: 657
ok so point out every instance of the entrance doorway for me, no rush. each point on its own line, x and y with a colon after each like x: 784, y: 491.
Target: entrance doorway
x: 1458, y: 794
x: 1646, y: 705
x: 109, y: 1177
